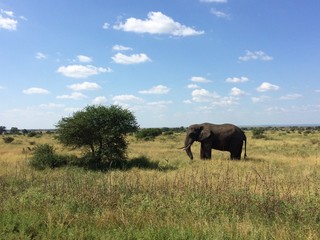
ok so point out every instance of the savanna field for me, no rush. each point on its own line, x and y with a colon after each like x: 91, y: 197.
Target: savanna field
x: 273, y: 194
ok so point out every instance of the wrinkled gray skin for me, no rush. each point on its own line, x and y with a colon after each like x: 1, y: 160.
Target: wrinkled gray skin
x: 224, y: 137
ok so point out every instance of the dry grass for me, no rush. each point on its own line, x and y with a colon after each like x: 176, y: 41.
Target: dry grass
x: 274, y: 194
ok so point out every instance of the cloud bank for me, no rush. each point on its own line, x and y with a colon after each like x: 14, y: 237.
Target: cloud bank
x: 157, y: 23
x: 81, y: 71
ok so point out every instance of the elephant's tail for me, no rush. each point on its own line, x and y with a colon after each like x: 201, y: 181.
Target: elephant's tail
x: 245, y: 146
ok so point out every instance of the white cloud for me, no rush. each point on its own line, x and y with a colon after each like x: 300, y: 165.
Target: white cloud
x: 212, y: 99
x: 257, y: 55
x: 159, y: 104
x: 237, y: 92
x: 203, y: 95
x: 81, y: 71
x: 237, y: 79
x: 99, y: 100
x: 8, y: 13
x: 51, y: 106
x: 74, y: 96
x: 8, y: 22
x: 192, y: 86
x: 292, y: 96
x: 160, y: 89
x: 214, y: 1
x: 155, y: 109
x: 157, y: 23
x: 130, y: 59
x: 84, y: 86
x: 106, y: 25
x: 265, y: 86
x: 277, y: 109
x: 23, y: 18
x: 225, y: 101
x: 220, y: 14
x: 200, y: 80
x: 84, y: 59
x: 40, y: 55
x: 35, y: 90
x: 121, y: 48
x: 260, y: 99
x: 125, y: 100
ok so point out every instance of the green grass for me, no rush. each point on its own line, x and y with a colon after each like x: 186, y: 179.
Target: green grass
x: 273, y: 195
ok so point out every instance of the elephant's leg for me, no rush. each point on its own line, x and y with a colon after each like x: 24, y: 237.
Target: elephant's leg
x: 205, y: 151
x: 234, y: 156
x: 202, y: 152
x: 208, y: 154
x: 235, y: 150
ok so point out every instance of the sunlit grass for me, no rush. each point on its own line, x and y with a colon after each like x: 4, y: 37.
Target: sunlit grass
x: 272, y: 195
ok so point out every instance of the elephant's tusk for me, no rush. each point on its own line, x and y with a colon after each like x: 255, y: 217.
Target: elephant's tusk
x: 185, y: 148
x: 182, y: 148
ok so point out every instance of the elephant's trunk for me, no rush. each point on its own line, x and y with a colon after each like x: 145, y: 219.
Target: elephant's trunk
x: 188, y: 142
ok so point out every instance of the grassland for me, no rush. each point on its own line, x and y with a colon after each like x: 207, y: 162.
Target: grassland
x: 274, y: 194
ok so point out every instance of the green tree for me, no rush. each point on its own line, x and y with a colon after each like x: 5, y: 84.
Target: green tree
x: 14, y: 130
x: 101, y: 130
x: 2, y: 129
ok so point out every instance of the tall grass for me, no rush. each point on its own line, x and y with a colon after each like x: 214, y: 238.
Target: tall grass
x: 273, y: 195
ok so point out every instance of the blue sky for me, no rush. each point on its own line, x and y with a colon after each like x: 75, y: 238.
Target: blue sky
x: 171, y: 62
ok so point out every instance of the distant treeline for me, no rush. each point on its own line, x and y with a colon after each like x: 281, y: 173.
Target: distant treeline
x: 168, y: 130
x: 284, y: 128
x: 15, y: 130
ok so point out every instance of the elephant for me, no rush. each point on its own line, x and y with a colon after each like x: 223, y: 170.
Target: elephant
x: 223, y: 137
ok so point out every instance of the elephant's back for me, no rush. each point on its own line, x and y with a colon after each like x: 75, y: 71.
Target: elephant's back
x: 226, y: 127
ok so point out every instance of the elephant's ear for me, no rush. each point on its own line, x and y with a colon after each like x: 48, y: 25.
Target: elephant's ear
x: 205, y: 133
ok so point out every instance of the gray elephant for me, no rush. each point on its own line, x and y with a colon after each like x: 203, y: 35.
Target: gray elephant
x: 224, y: 137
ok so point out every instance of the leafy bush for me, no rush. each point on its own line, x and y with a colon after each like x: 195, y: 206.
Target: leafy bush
x: 8, y: 139
x: 258, y: 133
x: 142, y: 162
x: 32, y: 134
x: 44, y: 156
x: 168, y: 133
x: 148, y: 133
x: 315, y: 141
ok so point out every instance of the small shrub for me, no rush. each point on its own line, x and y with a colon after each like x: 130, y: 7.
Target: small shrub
x: 258, y: 133
x: 168, y: 133
x: 315, y: 141
x: 142, y: 162
x: 8, y: 139
x: 148, y: 134
x: 44, y: 156
x: 32, y: 134
x: 307, y: 132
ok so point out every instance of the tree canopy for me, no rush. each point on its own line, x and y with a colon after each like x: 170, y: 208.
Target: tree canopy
x: 99, y: 129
